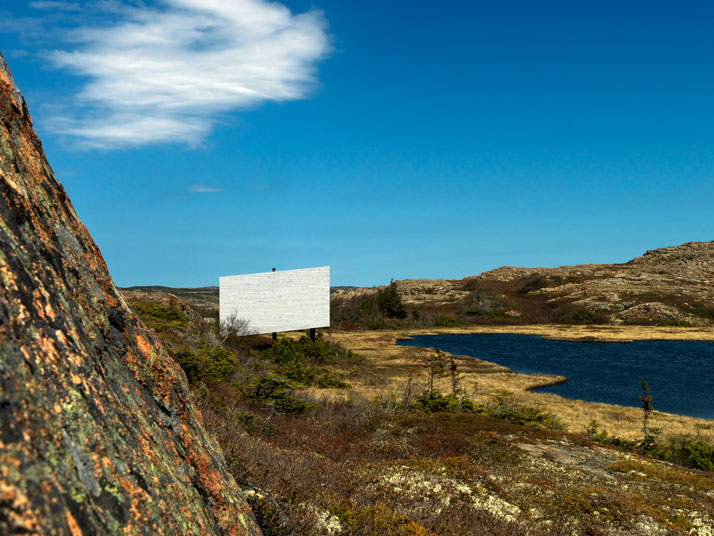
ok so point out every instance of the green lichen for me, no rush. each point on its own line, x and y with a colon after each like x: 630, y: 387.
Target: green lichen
x: 5, y: 149
x: 114, y: 490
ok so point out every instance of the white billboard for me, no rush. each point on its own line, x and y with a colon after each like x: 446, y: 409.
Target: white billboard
x: 286, y: 300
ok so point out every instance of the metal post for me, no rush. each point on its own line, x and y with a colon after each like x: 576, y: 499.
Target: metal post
x: 275, y: 335
x: 312, y: 334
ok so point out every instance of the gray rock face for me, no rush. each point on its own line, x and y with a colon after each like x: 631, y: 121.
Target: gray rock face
x: 97, y: 431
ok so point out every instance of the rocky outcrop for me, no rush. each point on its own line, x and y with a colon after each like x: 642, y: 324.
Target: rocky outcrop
x: 98, y: 434
x: 672, y: 285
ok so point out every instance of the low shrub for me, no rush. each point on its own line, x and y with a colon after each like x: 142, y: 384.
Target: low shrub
x: 581, y: 316
x: 330, y: 380
x: 295, y: 358
x: 377, y: 519
x: 683, y: 450
x: 673, y: 322
x: 688, y: 451
x: 445, y: 403
x: 161, y: 313
x: 504, y: 407
x: 276, y: 392
x: 442, y: 321
x: 532, y: 283
x: 287, y: 350
x: 206, y: 362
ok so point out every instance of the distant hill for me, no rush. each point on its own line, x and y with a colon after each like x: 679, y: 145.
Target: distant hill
x: 666, y: 286
x: 201, y: 296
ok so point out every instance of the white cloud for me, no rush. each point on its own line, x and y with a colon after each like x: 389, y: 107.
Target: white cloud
x: 166, y: 75
x: 202, y: 188
x: 49, y: 5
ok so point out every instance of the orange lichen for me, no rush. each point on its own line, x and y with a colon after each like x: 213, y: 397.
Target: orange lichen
x: 72, y: 524
x: 82, y: 392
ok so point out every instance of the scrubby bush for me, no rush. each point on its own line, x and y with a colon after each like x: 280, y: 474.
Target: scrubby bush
x: 206, y: 362
x: 683, y: 450
x: 672, y: 323
x: 159, y: 317
x: 319, y: 351
x: 504, y: 407
x: 276, y: 392
x: 295, y: 359
x: 378, y: 519
x: 581, y: 316
x: 533, y: 282
x: 450, y: 403
x: 688, y: 451
x: 443, y: 321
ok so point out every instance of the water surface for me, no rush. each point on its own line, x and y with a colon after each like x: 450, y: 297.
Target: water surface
x: 680, y: 373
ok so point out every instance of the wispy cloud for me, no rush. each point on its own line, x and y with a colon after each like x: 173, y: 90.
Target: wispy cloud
x: 168, y: 73
x: 65, y: 6
x: 202, y: 189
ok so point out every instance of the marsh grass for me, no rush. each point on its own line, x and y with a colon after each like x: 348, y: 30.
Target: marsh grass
x: 395, y: 364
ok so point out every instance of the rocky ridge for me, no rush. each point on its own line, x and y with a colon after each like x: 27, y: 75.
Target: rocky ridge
x: 98, y: 434
x: 672, y: 285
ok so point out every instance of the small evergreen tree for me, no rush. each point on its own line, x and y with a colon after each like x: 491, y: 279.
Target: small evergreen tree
x: 436, y: 368
x: 390, y: 303
x: 647, y: 410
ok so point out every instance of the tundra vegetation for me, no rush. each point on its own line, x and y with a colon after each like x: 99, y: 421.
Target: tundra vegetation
x: 666, y: 287
x: 351, y: 435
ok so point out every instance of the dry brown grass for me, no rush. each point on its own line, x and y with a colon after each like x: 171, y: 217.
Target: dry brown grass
x: 603, y: 333
x: 391, y: 366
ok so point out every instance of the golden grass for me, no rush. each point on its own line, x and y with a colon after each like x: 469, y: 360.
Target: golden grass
x: 390, y: 366
x: 586, y: 332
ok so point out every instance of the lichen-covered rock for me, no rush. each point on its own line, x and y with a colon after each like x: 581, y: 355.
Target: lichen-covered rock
x: 97, y: 431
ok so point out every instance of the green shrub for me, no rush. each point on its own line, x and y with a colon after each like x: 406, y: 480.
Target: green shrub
x: 533, y: 282
x: 683, y: 450
x: 253, y: 423
x: 287, y: 350
x: 687, y: 451
x: 295, y: 357
x: 378, y: 519
x: 152, y: 311
x: 673, y: 322
x: 445, y: 403
x: 381, y: 322
x: 503, y: 407
x: 206, y: 362
x: 445, y: 322
x: 581, y: 316
x: 273, y: 390
x: 330, y: 380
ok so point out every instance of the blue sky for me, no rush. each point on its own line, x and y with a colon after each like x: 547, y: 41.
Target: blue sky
x: 405, y: 139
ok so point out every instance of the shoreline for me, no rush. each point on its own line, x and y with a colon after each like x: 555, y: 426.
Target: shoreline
x: 580, y: 333
x: 394, y: 365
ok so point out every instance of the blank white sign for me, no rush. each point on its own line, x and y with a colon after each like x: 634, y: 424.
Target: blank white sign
x: 287, y: 300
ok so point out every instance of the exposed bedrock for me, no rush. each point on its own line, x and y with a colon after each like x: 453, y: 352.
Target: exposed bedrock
x: 97, y: 431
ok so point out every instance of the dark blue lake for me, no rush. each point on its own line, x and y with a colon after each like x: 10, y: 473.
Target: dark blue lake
x: 680, y: 374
